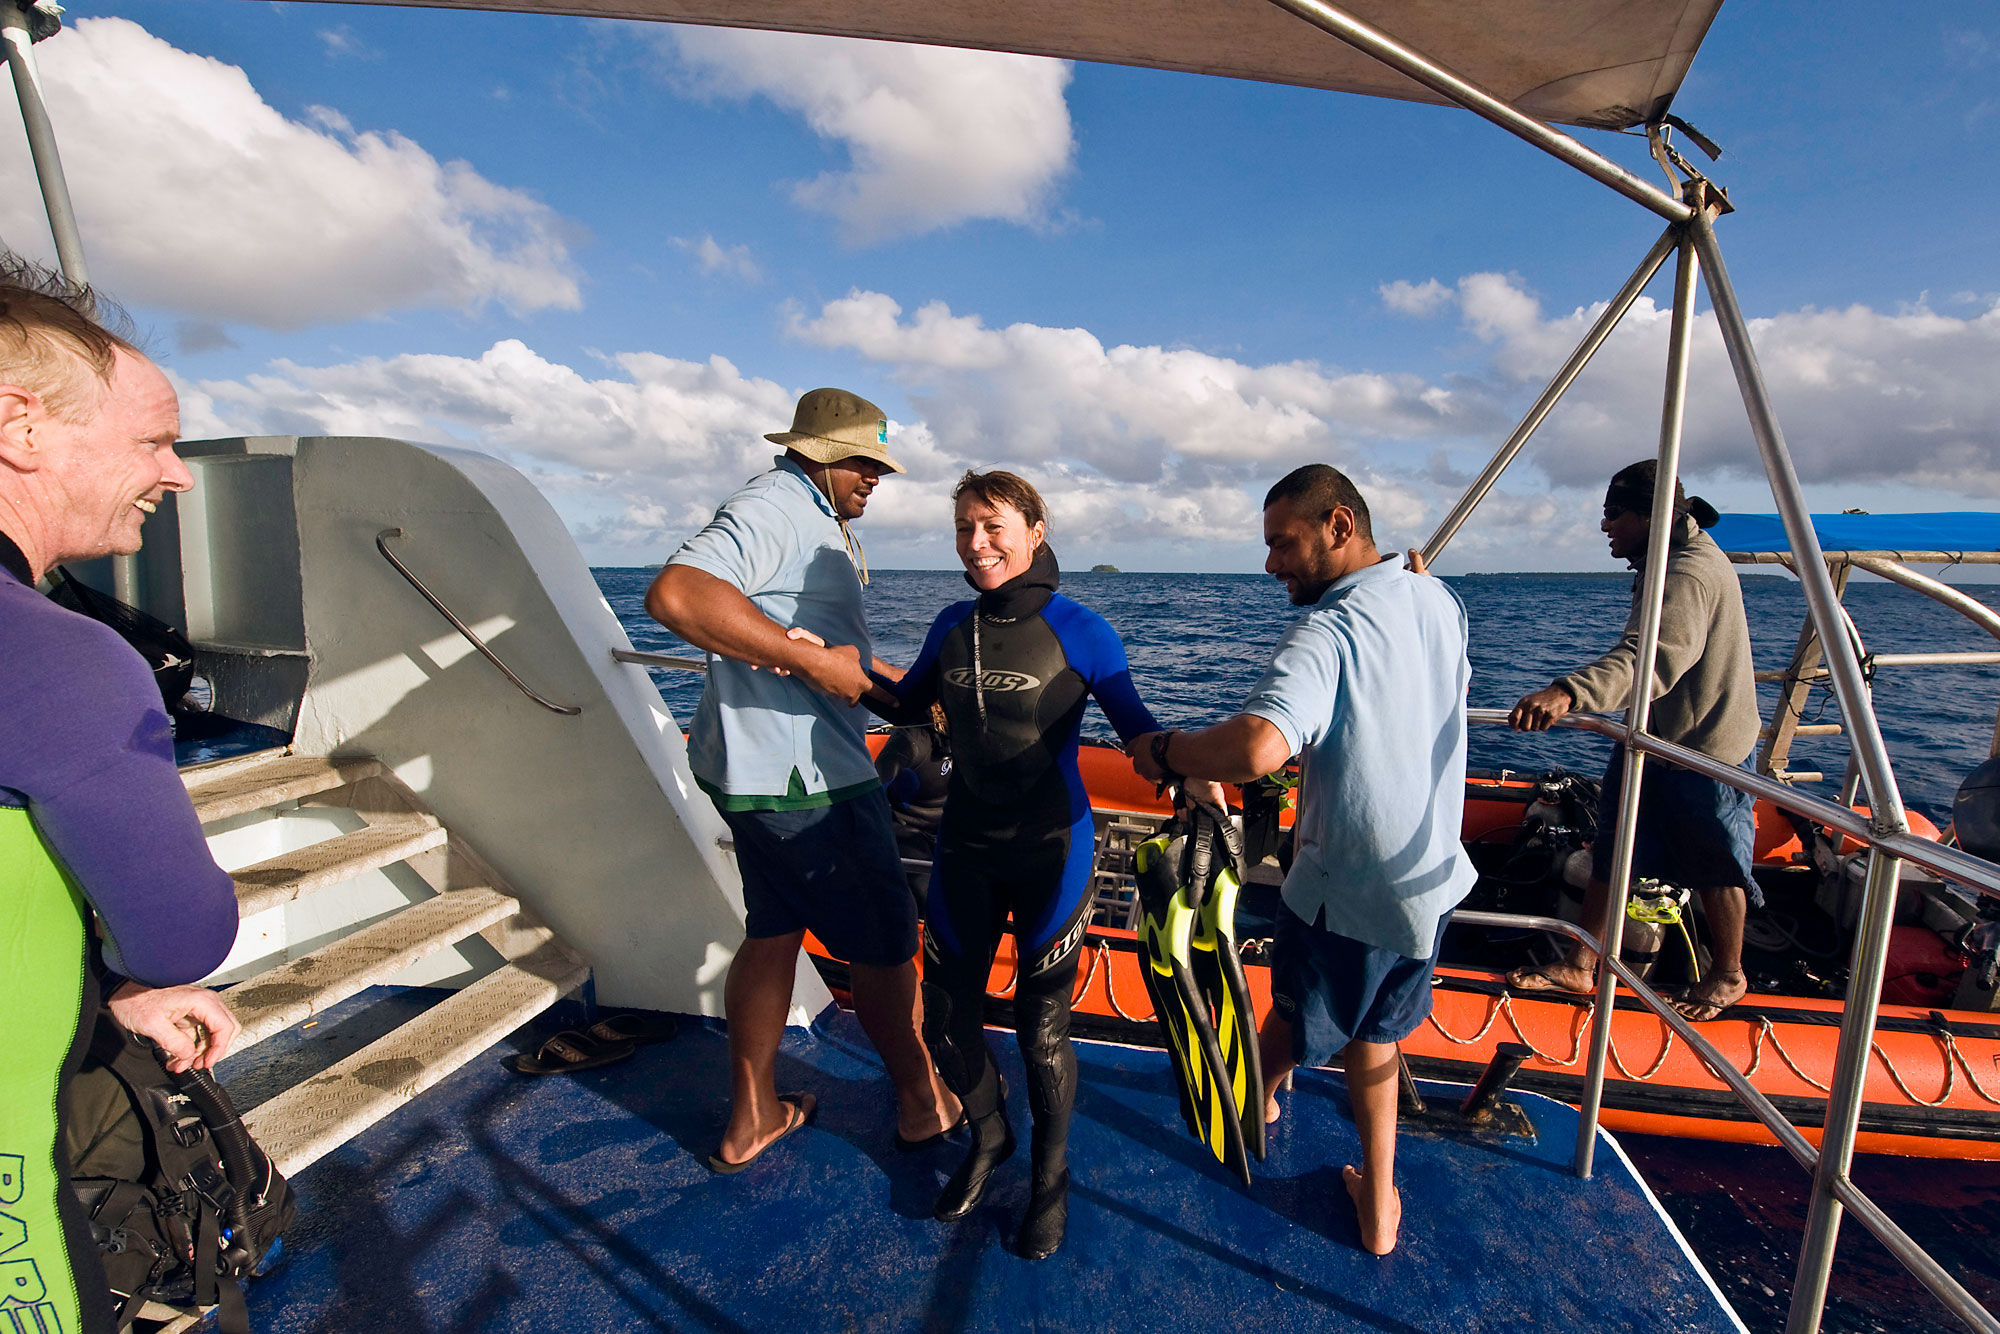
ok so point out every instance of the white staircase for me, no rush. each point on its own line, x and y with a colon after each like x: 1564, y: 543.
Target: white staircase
x: 458, y: 897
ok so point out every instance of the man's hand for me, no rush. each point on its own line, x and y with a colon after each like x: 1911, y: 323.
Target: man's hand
x: 796, y: 632
x: 1538, y: 712
x: 1415, y: 564
x: 191, y: 1024
x: 1140, y: 751
x: 836, y: 670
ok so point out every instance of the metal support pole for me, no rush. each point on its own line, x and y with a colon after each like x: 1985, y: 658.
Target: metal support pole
x: 1871, y: 756
x: 1843, y: 665
x: 1544, y: 405
x: 1843, y: 1101
x: 1687, y: 272
x: 1375, y: 42
x: 19, y: 41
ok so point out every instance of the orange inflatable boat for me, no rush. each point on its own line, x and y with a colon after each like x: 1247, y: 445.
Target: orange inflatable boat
x: 1934, y: 1078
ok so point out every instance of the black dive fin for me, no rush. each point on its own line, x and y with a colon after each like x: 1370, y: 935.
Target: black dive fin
x: 1166, y: 930
x: 1214, y: 852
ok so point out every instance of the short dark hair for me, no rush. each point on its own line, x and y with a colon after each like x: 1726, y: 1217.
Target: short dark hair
x: 1318, y: 490
x: 1004, y: 488
x: 52, y: 330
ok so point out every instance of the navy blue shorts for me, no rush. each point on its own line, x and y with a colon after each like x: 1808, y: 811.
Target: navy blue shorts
x: 832, y: 870
x: 1334, y: 990
x: 1693, y: 831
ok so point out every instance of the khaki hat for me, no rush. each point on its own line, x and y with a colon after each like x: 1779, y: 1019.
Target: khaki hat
x: 832, y: 424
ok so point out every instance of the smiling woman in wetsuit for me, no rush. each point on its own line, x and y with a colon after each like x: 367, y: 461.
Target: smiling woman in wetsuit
x: 1013, y: 669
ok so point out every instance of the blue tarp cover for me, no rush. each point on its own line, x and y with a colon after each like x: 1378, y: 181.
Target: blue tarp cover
x: 1966, y: 530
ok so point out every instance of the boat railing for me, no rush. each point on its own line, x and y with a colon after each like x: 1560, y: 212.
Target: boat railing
x: 666, y: 660
x: 1891, y: 847
x: 1806, y: 669
x: 382, y: 545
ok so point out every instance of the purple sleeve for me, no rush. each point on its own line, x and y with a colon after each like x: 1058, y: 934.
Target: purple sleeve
x: 87, y: 747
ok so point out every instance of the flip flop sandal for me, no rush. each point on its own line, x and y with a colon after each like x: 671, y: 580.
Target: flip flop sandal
x: 918, y: 1145
x: 568, y: 1052
x: 804, y: 1106
x: 643, y: 1029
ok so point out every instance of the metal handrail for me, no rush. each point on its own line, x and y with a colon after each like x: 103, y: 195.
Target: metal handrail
x: 1967, y: 659
x: 644, y: 659
x: 382, y: 545
x: 1950, y: 862
x: 1752, y: 1097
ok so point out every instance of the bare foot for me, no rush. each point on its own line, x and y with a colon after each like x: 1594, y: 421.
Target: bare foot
x: 929, y: 1120
x: 1379, y: 1207
x: 742, y: 1144
x: 1708, y: 998
x: 1271, y: 1112
x: 1553, y: 977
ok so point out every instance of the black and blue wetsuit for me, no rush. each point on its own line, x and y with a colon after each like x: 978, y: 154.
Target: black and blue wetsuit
x: 1014, y: 669
x: 93, y: 816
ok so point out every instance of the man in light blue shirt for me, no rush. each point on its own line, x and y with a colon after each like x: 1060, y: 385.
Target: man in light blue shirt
x: 1369, y: 690
x: 769, y: 588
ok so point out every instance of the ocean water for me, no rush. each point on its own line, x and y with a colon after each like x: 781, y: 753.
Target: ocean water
x: 1198, y: 642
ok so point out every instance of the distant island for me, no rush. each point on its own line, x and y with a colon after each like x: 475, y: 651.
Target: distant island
x: 1104, y: 569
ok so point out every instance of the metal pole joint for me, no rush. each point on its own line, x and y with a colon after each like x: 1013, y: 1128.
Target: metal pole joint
x: 42, y: 18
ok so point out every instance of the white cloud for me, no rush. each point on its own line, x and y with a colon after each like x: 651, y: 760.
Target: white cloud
x: 712, y: 257
x: 195, y: 194
x: 1863, y: 396
x: 1167, y: 452
x: 935, y: 136
x: 339, y: 41
x: 1032, y: 393
x: 1419, y: 299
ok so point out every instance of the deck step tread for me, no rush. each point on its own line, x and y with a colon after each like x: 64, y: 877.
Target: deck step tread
x: 291, y: 875
x: 256, y: 787
x: 314, y: 1117
x: 296, y: 990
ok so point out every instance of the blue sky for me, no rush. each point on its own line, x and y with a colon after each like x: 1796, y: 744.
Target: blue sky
x: 614, y: 253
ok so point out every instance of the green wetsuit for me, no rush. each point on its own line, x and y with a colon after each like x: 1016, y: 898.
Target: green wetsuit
x: 45, y: 985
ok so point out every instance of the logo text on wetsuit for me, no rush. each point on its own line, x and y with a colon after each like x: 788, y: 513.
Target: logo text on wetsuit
x: 1060, y: 951
x: 23, y: 1294
x: 993, y: 679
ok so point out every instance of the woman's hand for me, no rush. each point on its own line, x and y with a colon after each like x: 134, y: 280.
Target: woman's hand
x: 1204, y: 792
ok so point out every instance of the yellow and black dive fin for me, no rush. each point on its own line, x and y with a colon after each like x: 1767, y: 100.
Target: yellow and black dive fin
x: 1168, y: 921
x: 1214, y: 850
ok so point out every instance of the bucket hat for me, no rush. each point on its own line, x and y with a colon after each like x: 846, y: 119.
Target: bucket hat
x: 832, y: 424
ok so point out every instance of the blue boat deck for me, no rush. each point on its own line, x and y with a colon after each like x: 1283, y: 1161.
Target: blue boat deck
x: 581, y: 1203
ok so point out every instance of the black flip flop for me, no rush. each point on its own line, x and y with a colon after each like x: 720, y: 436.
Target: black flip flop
x: 570, y: 1051
x: 804, y: 1105
x: 643, y: 1029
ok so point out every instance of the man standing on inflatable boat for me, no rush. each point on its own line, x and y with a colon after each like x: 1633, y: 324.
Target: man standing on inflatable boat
x: 1379, y: 660
x: 1694, y: 832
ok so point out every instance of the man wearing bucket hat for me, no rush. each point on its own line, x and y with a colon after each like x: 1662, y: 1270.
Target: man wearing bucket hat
x: 771, y: 588
x: 1694, y: 832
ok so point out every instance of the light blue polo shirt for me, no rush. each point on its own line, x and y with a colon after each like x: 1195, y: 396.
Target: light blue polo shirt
x: 1369, y: 687
x: 761, y: 741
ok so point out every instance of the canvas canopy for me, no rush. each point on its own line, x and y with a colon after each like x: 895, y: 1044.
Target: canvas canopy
x: 1956, y: 531
x: 1610, y: 64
